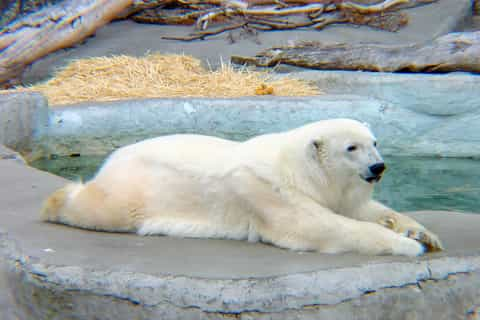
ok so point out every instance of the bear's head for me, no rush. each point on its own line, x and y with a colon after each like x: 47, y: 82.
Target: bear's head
x: 347, y: 151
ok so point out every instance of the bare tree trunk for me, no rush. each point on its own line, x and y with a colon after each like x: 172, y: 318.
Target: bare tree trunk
x: 452, y: 52
x: 14, y: 9
x: 38, y: 34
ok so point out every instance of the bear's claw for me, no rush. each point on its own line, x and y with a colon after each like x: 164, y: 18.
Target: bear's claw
x: 413, y: 231
x: 425, y: 237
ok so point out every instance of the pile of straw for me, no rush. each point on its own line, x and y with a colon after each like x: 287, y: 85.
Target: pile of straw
x: 156, y: 75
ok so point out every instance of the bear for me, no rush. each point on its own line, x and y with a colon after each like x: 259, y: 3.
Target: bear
x: 306, y: 189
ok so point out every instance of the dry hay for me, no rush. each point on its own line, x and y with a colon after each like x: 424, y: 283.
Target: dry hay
x: 157, y: 75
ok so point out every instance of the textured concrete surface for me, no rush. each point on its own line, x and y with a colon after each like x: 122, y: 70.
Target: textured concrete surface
x: 447, y: 95
x: 23, y: 117
x: 420, y: 115
x: 97, y: 128
x: 415, y: 115
x: 7, y: 304
x: 57, y: 272
x: 9, y: 154
x: 126, y: 37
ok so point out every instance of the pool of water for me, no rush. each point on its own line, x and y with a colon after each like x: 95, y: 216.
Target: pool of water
x: 409, y: 183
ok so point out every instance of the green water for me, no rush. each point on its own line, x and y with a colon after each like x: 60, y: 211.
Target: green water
x: 409, y: 183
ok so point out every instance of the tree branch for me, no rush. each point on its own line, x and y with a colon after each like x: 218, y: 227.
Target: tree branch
x: 204, y: 34
x: 452, y: 52
x: 50, y: 29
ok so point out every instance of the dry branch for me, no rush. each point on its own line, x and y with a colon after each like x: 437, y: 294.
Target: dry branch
x: 274, y: 11
x: 318, y: 23
x: 204, y: 20
x: 452, y: 52
x: 51, y: 29
x: 390, y: 21
x: 372, y: 8
x: 269, y: 24
x: 204, y: 34
x: 259, y: 14
x: 169, y: 16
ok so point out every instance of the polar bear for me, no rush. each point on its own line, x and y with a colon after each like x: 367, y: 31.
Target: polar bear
x: 305, y: 189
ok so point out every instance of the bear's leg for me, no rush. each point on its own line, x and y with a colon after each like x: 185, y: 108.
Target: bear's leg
x: 292, y: 220
x: 181, y: 225
x: 374, y: 211
x: 328, y: 232
x: 89, y: 206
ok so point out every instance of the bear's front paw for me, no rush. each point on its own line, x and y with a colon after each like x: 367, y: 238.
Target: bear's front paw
x: 425, y: 237
x: 413, y: 230
x: 408, y: 247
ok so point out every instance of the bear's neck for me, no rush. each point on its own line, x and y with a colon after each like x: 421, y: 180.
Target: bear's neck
x: 353, y: 196
x: 340, y: 198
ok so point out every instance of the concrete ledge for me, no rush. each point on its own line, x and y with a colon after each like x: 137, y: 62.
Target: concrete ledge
x: 424, y: 122
x: 23, y: 117
x: 168, y: 278
x: 9, y: 154
x: 98, y: 128
x: 449, y: 94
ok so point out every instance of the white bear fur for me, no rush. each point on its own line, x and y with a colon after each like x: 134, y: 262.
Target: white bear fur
x: 299, y: 189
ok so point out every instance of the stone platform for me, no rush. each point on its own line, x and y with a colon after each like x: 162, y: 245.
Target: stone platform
x: 58, y: 272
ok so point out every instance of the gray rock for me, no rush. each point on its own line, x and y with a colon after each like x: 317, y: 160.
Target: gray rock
x: 58, y: 272
x: 23, y: 117
x: 8, y: 154
x: 425, y: 299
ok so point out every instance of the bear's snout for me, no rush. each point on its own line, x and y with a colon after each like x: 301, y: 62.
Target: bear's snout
x: 377, y: 169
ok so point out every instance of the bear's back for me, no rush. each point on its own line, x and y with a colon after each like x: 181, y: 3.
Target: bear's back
x: 179, y: 151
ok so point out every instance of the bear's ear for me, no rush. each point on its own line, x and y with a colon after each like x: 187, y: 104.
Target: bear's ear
x: 318, y: 144
x: 320, y: 150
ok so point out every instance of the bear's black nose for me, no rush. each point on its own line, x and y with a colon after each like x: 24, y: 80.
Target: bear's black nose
x: 377, y: 168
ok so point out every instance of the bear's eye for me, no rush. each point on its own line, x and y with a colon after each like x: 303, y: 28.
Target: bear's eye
x: 351, y: 148
x: 375, y: 143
